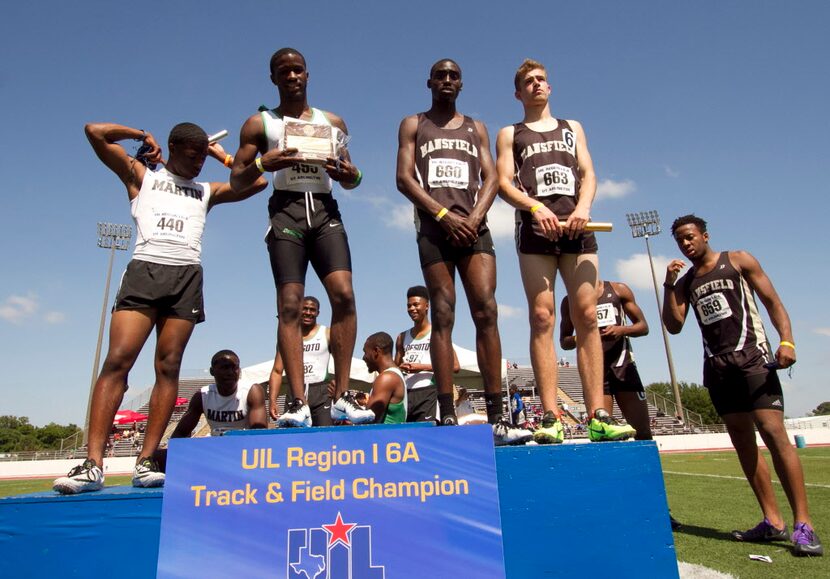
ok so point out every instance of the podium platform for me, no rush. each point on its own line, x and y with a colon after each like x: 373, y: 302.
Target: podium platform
x: 564, y: 510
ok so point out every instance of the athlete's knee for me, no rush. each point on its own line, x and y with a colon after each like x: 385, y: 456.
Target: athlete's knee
x: 485, y: 314
x: 442, y: 314
x: 342, y: 301
x: 290, y: 307
x: 118, y: 361
x: 168, y: 364
x: 542, y: 320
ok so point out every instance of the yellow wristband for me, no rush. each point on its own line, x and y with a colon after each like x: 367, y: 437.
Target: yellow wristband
x: 228, y: 160
x: 536, y: 207
x: 259, y: 166
x: 440, y: 215
x: 788, y: 344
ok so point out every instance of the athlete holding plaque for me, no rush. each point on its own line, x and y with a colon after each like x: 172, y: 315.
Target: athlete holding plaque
x: 739, y: 370
x: 445, y: 169
x: 305, y: 150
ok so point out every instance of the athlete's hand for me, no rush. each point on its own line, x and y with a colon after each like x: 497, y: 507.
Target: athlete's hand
x: 673, y: 269
x: 341, y: 170
x: 406, y: 367
x: 273, y: 412
x: 460, y: 231
x: 154, y: 154
x: 277, y: 159
x: 785, y: 356
x: 575, y: 225
x: 612, y: 332
x: 546, y: 224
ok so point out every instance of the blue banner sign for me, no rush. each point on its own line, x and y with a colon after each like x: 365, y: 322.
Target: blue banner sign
x: 367, y: 502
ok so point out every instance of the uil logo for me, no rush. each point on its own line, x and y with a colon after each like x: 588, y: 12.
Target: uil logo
x: 335, y: 551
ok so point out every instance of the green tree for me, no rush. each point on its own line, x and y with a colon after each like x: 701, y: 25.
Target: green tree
x: 822, y: 409
x: 693, y: 396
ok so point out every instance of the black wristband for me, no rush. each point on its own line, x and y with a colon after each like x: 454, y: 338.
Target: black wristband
x: 667, y: 284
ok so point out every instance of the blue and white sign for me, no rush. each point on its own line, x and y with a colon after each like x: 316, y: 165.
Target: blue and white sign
x: 367, y: 502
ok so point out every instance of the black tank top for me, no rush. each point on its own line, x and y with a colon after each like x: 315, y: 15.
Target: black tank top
x: 547, y: 167
x: 616, y: 353
x: 449, y: 169
x: 725, y: 307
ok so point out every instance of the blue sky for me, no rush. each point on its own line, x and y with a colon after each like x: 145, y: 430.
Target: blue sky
x: 716, y: 108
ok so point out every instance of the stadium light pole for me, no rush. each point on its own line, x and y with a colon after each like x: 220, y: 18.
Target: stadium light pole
x: 645, y: 224
x: 111, y: 236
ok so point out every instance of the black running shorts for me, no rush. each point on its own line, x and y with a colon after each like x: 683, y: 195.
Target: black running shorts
x: 173, y: 291
x: 422, y: 404
x: 739, y: 382
x: 293, y: 244
x: 625, y: 378
x: 528, y: 241
x: 432, y: 249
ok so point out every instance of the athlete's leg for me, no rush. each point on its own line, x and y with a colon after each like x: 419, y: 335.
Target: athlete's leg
x: 290, y: 335
x: 478, y: 274
x: 741, y: 428
x: 635, y: 409
x: 580, y: 274
x: 785, y: 460
x: 172, y: 335
x: 129, y: 330
x: 539, y: 278
x: 439, y: 278
x: 339, y: 288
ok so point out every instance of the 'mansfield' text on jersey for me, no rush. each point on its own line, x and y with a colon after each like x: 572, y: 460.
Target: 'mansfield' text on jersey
x: 545, y: 147
x: 448, y: 144
x: 170, y: 187
x: 716, y: 284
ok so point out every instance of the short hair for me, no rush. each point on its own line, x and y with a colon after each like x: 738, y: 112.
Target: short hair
x: 380, y: 340
x: 528, y: 65
x: 417, y: 291
x: 224, y: 354
x: 690, y: 219
x: 282, y: 52
x: 188, y: 134
x: 437, y: 62
x: 313, y: 300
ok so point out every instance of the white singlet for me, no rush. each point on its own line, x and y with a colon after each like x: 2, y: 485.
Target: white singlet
x: 225, y: 412
x: 169, y: 213
x: 416, y: 351
x: 316, y: 357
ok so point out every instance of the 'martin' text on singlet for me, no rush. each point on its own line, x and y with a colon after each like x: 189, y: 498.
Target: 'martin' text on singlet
x: 169, y: 187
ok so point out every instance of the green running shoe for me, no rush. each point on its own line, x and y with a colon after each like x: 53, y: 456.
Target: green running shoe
x: 550, y: 432
x: 603, y: 428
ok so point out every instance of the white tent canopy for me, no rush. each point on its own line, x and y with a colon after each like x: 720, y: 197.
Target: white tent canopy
x: 361, y: 379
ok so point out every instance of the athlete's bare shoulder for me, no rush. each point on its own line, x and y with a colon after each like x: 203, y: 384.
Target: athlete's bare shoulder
x: 335, y: 120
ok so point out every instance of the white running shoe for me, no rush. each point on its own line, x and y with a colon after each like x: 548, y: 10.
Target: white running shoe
x: 147, y: 474
x: 346, y: 408
x: 83, y: 478
x: 297, y: 414
x: 505, y: 433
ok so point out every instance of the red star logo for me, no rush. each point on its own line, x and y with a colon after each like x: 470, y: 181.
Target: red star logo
x: 339, y: 531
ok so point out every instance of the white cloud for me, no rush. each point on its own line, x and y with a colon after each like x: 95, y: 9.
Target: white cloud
x: 400, y: 217
x: 501, y: 220
x: 54, y: 317
x: 822, y: 331
x: 610, y: 189
x: 506, y: 311
x: 15, y: 309
x: 635, y: 270
x: 671, y: 172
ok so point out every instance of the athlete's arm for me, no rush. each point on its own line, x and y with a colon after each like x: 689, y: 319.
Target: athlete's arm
x: 753, y: 272
x: 547, y: 221
x: 460, y: 232
x: 382, y: 391
x: 399, y: 349
x: 257, y: 417
x: 575, y: 224
x: 675, y: 304
x: 104, y: 138
x: 567, y: 339
x: 638, y: 326
x: 274, y: 385
x: 489, y: 179
x: 341, y: 170
x: 223, y: 192
x: 190, y: 419
x: 252, y: 141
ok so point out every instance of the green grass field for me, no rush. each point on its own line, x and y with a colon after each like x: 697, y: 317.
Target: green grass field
x: 709, y: 496
x: 709, y: 507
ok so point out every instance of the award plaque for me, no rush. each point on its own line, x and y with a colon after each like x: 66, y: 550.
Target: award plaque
x: 313, y: 142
